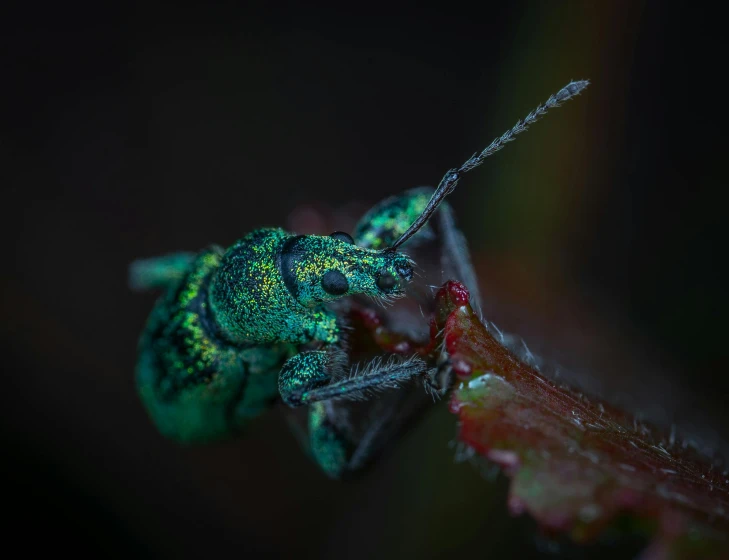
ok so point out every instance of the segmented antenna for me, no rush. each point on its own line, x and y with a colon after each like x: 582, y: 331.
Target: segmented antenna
x: 450, y: 179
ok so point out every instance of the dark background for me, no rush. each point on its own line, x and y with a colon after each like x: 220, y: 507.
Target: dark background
x: 598, y: 236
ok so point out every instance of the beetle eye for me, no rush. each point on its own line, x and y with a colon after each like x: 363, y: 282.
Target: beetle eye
x: 341, y: 236
x: 334, y: 283
x: 386, y: 282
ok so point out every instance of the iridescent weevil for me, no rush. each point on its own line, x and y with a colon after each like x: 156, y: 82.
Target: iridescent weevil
x: 238, y: 329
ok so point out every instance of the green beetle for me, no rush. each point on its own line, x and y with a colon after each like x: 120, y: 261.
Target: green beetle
x: 238, y: 329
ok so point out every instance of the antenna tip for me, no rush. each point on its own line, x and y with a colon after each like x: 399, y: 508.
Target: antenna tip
x: 571, y: 89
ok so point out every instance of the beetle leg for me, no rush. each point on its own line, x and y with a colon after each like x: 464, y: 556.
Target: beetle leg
x: 389, y: 219
x: 455, y: 256
x: 339, y: 443
x: 318, y: 375
x: 335, y: 448
x: 159, y: 272
x: 345, y: 436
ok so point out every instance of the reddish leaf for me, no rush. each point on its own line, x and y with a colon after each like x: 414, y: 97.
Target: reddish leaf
x: 575, y: 464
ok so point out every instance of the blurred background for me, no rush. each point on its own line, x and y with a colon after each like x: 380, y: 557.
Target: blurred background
x: 598, y: 236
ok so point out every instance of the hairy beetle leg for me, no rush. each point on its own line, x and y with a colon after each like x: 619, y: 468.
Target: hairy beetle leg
x: 333, y: 446
x: 307, y: 378
x: 456, y: 258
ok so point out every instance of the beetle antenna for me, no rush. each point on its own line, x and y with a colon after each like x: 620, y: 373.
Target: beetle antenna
x: 450, y: 179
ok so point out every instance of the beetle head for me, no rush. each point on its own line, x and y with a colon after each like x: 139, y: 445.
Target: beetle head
x: 319, y: 269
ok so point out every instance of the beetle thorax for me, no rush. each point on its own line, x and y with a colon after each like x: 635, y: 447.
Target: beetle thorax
x: 251, y: 302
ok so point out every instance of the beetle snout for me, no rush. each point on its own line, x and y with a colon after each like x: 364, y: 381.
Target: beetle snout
x: 392, y: 278
x: 404, y: 270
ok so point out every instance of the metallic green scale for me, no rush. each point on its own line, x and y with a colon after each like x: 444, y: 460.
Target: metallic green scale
x: 235, y: 331
x: 213, y: 347
x: 196, y: 386
x: 386, y: 221
x: 257, y: 298
x: 328, y: 449
x: 251, y: 302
